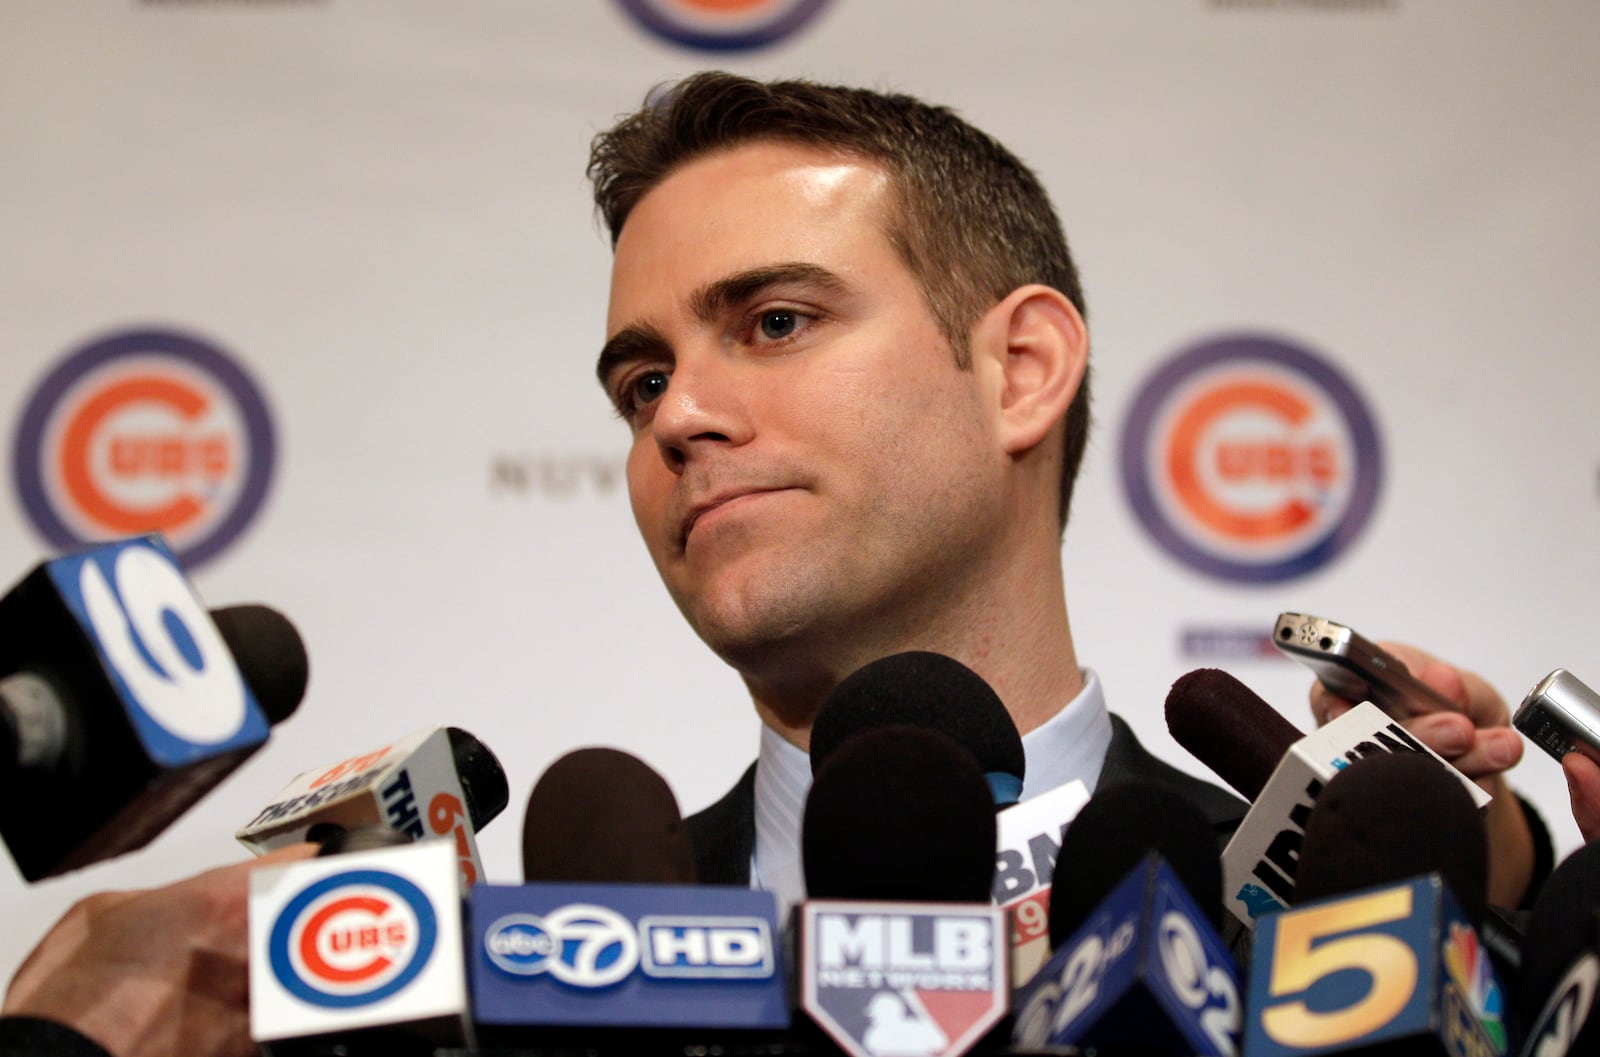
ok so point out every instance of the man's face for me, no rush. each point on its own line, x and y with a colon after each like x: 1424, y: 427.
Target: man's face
x: 810, y: 470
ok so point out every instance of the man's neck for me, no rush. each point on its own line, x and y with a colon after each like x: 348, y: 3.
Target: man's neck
x: 1021, y: 646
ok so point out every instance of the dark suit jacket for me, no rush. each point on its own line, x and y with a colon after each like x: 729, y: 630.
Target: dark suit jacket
x: 724, y: 834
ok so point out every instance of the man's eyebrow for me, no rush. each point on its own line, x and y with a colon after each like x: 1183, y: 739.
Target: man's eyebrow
x: 633, y: 342
x: 712, y: 300
x: 708, y: 303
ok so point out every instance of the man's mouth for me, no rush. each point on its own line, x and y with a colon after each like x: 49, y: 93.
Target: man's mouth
x: 712, y: 505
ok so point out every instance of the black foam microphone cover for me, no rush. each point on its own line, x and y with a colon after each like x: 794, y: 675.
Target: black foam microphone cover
x: 483, y: 780
x: 1119, y: 826
x: 270, y: 656
x: 1389, y: 817
x: 1560, y: 927
x: 1229, y: 728
x: 602, y: 815
x: 899, y: 812
x: 921, y: 689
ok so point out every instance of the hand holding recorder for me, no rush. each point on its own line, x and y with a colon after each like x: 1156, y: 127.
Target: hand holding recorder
x: 1455, y: 712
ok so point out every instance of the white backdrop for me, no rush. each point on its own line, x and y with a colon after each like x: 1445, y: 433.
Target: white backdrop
x: 378, y: 208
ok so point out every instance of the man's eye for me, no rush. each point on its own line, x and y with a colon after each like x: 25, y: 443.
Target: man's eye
x: 638, y: 392
x: 647, y: 388
x: 778, y: 323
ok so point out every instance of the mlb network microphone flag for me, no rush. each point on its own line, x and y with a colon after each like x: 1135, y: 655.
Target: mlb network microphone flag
x: 903, y: 979
x: 689, y: 959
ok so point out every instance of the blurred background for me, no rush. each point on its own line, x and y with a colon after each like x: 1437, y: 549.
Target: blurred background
x: 347, y: 249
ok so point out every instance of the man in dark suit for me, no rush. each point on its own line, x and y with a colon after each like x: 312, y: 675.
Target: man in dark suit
x: 848, y: 337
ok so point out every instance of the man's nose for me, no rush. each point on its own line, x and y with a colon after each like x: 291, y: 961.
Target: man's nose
x: 705, y: 406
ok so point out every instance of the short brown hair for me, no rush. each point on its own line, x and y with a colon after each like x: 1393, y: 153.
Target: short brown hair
x: 971, y: 221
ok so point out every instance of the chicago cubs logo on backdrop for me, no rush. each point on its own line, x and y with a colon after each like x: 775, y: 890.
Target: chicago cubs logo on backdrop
x: 145, y: 431
x: 352, y: 939
x: 723, y: 25
x: 1251, y: 459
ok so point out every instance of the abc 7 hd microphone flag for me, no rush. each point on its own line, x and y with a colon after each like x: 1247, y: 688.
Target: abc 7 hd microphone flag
x: 690, y: 960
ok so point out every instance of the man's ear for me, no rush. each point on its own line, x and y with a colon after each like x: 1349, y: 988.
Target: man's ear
x: 1034, y: 345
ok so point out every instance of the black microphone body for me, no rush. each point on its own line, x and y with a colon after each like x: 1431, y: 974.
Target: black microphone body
x: 898, y: 942
x: 932, y: 691
x: 603, y: 815
x: 1560, y: 972
x: 123, y: 701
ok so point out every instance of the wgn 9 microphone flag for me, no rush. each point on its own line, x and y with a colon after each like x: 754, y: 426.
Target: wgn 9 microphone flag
x: 116, y: 672
x: 362, y: 949
x: 1397, y: 969
x: 1029, y: 838
x: 1145, y: 973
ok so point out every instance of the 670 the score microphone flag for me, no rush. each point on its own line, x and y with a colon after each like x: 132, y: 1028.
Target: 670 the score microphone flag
x: 440, y: 782
x: 125, y: 703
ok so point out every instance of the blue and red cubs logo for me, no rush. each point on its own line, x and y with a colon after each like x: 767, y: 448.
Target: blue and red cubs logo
x: 723, y: 25
x: 352, y: 939
x: 145, y: 431
x: 1251, y: 459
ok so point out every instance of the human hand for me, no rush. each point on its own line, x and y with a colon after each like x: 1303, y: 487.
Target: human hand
x: 151, y: 973
x: 1480, y: 742
x: 1583, y: 786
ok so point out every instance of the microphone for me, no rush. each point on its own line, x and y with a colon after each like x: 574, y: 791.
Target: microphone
x: 929, y: 690
x: 1397, y: 969
x: 639, y: 966
x: 608, y: 939
x: 1560, y: 969
x: 1121, y: 825
x: 359, y: 953
x: 600, y: 814
x: 1138, y: 961
x: 1025, y: 864
x: 933, y: 691
x: 1232, y: 731
x: 899, y: 812
x: 440, y: 782
x: 1384, y: 819
x: 123, y: 702
x: 899, y: 948
x: 1227, y: 727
